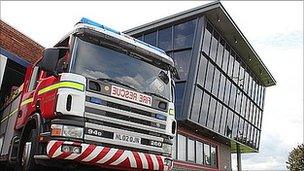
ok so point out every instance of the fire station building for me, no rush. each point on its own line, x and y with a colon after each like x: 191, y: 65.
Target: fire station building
x: 220, y: 96
x: 17, y: 51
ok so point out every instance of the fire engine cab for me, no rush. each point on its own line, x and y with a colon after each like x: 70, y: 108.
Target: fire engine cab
x: 97, y: 98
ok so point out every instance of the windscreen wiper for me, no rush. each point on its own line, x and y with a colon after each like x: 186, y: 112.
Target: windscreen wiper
x: 116, y: 82
x: 155, y: 94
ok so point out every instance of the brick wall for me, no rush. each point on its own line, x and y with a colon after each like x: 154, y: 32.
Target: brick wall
x: 19, y: 44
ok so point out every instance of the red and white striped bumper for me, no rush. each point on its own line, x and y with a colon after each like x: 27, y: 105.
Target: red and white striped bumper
x: 108, y: 157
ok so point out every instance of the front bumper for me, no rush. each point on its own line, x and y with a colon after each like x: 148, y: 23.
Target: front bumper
x: 109, y: 157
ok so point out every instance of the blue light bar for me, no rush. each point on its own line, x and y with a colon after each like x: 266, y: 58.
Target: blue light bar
x: 153, y: 47
x: 93, y: 23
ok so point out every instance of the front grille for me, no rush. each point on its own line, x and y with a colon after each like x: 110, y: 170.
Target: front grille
x: 114, y: 116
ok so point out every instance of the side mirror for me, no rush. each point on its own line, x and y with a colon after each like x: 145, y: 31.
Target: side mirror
x: 175, y: 73
x: 50, y: 58
x: 164, y: 77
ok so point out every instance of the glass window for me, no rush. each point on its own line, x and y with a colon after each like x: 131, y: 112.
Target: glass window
x: 213, y: 156
x: 222, y: 87
x: 232, y: 96
x: 253, y: 90
x: 243, y: 106
x: 151, y: 38
x: 225, y: 58
x: 211, y: 113
x: 196, y: 104
x: 216, y: 81
x: 223, y: 120
x: 235, y: 125
x: 231, y: 63
x: 257, y: 117
x: 250, y: 86
x: 199, y: 153
x: 227, y: 91
x: 220, y: 51
x: 209, y: 78
x: 260, y: 122
x: 236, y: 70
x: 218, y: 114
x: 247, y: 113
x: 245, y: 132
x: 257, y: 88
x: 182, y: 61
x: 263, y: 98
x: 202, y: 71
x: 181, y: 147
x: 190, y: 150
x: 214, y: 44
x: 204, y: 109
x: 241, y: 127
x: 229, y: 123
x: 246, y: 80
x: 183, y: 34
x: 207, y: 38
x: 238, y: 101
x: 260, y: 95
x: 165, y: 39
x: 139, y: 37
x: 241, y: 78
x: 179, y: 95
x: 207, y: 154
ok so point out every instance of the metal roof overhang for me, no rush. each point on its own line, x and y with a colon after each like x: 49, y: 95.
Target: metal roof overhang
x: 219, y: 17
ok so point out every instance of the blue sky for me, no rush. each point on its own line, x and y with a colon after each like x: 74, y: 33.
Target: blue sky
x: 274, y: 29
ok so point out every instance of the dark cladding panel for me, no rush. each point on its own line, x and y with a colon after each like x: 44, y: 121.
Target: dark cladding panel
x: 179, y: 96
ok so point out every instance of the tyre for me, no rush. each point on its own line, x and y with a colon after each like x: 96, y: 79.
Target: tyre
x: 27, y: 149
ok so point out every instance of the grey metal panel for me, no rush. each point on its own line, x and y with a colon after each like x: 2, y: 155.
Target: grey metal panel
x: 122, y: 122
x: 10, y: 126
x: 193, y: 69
x: 125, y: 113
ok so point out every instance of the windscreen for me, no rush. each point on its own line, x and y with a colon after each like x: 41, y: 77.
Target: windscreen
x: 102, y: 62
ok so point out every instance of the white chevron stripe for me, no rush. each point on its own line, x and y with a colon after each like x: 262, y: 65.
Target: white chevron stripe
x: 108, y: 156
x: 58, y: 151
x: 91, y: 156
x: 74, y: 155
x: 49, y: 146
x: 155, y: 162
x: 126, y: 154
x: 143, y: 161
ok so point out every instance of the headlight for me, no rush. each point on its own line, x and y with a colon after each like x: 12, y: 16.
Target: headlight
x: 167, y: 148
x: 67, y: 131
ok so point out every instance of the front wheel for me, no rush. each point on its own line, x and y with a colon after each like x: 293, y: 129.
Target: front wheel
x: 26, y: 161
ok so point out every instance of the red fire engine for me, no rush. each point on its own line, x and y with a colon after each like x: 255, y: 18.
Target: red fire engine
x: 97, y: 98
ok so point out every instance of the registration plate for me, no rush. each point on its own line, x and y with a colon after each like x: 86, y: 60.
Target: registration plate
x: 127, y: 138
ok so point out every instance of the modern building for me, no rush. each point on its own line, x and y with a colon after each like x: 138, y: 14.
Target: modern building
x: 220, y: 96
x: 17, y: 51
